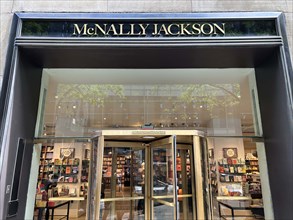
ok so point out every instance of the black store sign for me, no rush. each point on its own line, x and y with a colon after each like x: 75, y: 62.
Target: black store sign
x: 148, y: 29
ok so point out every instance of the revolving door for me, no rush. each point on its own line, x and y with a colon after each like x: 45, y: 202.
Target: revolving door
x: 148, y: 175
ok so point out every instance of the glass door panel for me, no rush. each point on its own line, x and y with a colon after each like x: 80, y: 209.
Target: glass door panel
x: 95, y: 177
x: 148, y: 179
x: 163, y: 179
x: 122, y: 193
x: 185, y: 174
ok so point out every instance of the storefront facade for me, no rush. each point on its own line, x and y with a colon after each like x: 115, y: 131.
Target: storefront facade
x: 77, y: 48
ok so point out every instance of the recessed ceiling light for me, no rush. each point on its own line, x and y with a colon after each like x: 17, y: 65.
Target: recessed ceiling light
x: 148, y: 137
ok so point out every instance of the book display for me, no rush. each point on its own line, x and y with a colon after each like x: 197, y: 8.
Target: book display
x: 183, y: 168
x: 66, y: 164
x: 66, y: 170
x: 127, y: 171
x: 85, y: 171
x: 232, y: 175
x: 253, y: 187
x: 213, y: 172
x: 46, y: 162
x: 232, y: 170
x: 123, y: 168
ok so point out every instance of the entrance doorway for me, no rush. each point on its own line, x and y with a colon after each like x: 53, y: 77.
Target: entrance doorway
x: 153, y: 174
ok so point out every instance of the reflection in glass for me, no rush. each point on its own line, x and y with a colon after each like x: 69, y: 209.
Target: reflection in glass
x: 120, y: 211
x: 162, y: 172
x: 184, y: 182
x: 201, y: 100
x: 185, y: 208
x: 123, y: 179
x: 162, y: 211
x: 162, y: 183
x: 123, y: 172
x: 245, y: 170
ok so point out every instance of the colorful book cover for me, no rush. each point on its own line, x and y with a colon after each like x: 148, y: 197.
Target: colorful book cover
x: 75, y: 170
x: 76, y: 161
x: 68, y: 170
x: 57, y: 162
x: 232, y: 169
x: 70, y: 161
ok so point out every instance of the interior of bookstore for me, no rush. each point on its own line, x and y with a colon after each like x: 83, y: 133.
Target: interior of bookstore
x: 149, y: 144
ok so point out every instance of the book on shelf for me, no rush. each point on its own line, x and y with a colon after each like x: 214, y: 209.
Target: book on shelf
x: 57, y: 162
x: 231, y: 169
x: 76, y: 161
x: 56, y: 169
x: 70, y: 161
x: 74, y: 170
x: 234, y: 161
x: 68, y: 170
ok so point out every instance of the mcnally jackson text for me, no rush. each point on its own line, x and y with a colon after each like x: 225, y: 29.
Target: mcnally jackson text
x: 148, y: 30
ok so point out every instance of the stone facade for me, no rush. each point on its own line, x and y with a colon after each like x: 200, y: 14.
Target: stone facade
x: 8, y: 7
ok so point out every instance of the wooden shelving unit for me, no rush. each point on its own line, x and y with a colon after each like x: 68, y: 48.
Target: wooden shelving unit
x: 253, y: 178
x: 46, y: 162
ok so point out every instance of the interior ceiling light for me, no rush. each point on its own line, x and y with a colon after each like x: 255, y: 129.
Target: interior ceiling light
x: 148, y: 137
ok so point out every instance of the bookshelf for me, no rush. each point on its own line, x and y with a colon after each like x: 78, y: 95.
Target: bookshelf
x: 122, y: 169
x: 232, y: 176
x: 183, y: 165
x: 213, y: 171
x: 213, y: 175
x: 70, y: 171
x: 252, y: 166
x: 46, y: 162
x: 253, y: 178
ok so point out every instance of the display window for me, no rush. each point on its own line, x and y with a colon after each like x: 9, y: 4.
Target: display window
x: 236, y: 175
x: 217, y: 101
x: 76, y: 105
x: 62, y: 177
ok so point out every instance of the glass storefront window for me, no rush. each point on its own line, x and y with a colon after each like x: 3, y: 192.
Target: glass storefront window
x: 217, y: 101
x: 236, y: 171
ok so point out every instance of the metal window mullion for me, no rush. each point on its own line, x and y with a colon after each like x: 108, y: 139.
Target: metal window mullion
x: 173, y: 148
